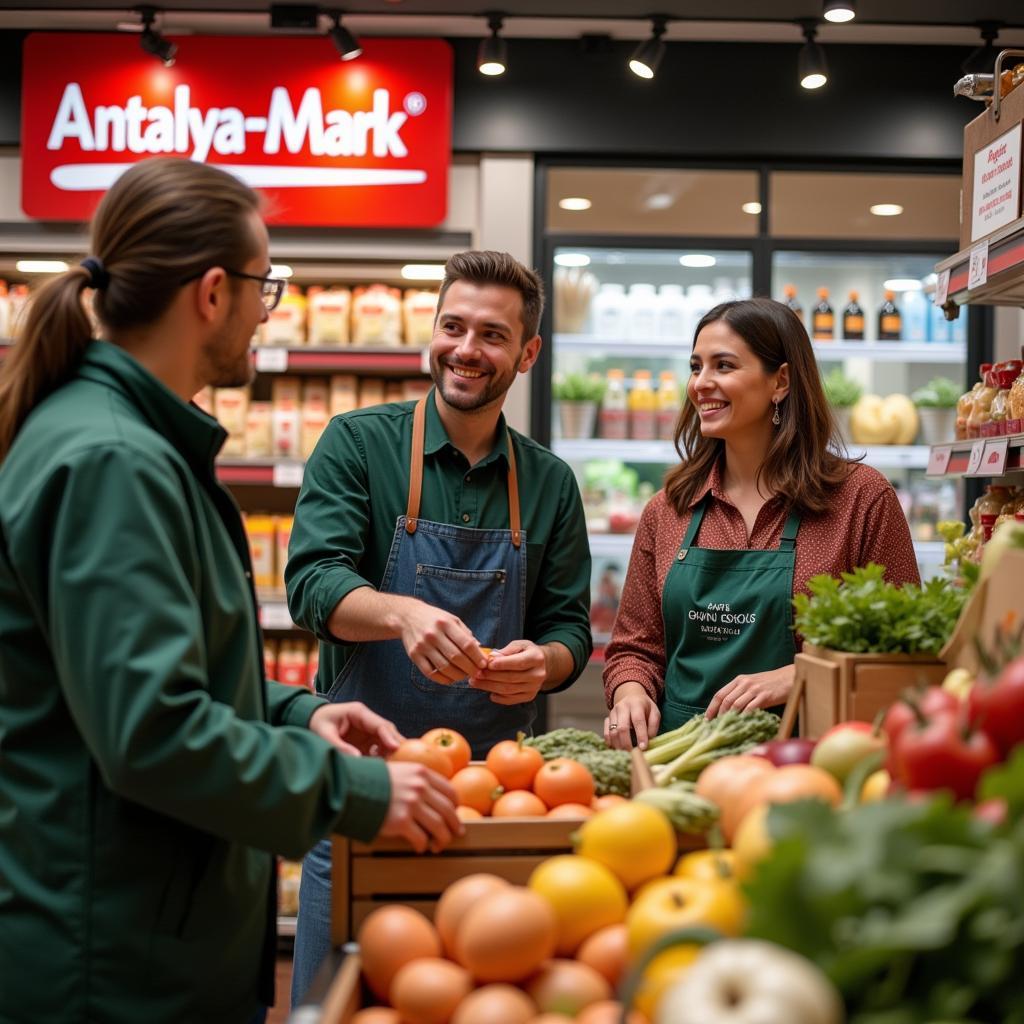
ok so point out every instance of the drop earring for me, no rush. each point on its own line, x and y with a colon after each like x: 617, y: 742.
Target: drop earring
x: 776, y: 418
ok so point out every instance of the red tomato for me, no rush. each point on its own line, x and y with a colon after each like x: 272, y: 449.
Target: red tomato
x: 998, y: 707
x: 780, y: 752
x: 930, y: 701
x: 942, y: 753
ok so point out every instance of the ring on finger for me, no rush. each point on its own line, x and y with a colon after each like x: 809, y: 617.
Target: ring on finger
x: 613, y: 725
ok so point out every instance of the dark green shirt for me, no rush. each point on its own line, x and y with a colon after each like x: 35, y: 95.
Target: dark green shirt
x: 145, y: 764
x: 355, y: 488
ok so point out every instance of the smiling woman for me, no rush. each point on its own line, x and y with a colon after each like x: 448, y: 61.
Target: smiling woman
x: 763, y: 500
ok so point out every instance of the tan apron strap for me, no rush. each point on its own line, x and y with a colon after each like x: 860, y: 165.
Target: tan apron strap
x: 412, y: 508
x: 513, y: 495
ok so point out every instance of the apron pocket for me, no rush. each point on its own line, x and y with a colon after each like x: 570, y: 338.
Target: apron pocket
x: 476, y: 595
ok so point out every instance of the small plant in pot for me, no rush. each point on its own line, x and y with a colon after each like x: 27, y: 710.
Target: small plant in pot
x: 578, y: 396
x: 842, y: 393
x: 936, y: 405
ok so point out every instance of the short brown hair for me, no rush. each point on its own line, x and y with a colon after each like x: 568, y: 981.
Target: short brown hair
x: 484, y: 266
x: 806, y: 458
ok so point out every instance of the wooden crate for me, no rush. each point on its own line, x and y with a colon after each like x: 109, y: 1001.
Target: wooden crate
x: 830, y: 687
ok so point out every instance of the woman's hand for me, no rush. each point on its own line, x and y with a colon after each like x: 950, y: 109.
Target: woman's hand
x: 757, y: 690
x: 632, y: 708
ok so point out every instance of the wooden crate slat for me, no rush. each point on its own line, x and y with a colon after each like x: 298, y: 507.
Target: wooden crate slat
x: 415, y: 876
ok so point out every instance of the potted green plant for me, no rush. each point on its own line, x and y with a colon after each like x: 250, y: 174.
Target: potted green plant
x: 843, y: 393
x: 936, y: 406
x: 578, y: 396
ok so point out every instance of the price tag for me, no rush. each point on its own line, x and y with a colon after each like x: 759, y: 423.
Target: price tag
x: 976, y: 457
x: 942, y: 288
x: 271, y: 360
x: 977, y: 273
x: 993, y: 462
x: 938, y: 460
x: 288, y: 474
x: 425, y: 361
x: 275, y: 616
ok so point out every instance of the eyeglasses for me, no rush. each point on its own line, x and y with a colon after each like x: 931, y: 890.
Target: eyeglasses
x: 271, y: 288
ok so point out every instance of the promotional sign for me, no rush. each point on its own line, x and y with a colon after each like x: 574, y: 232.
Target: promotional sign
x: 361, y: 143
x: 996, y: 197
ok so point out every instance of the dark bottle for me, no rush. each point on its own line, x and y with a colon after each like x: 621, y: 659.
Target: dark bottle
x: 853, y: 320
x: 890, y: 320
x: 822, y: 319
x: 792, y: 301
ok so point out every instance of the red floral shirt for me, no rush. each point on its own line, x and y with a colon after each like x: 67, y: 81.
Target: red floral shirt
x: 865, y: 524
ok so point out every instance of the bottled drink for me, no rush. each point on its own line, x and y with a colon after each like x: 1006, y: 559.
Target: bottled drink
x: 792, y: 301
x: 853, y: 320
x: 610, y: 313
x: 642, y: 303
x: 642, y: 408
x: 890, y: 322
x: 822, y: 318
x: 673, y: 313
x: 669, y: 402
x: 614, y: 416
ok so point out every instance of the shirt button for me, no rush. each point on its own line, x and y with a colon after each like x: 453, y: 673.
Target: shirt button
x: 465, y: 517
x: 469, y: 479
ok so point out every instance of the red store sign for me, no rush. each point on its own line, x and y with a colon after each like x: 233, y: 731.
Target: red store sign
x: 363, y: 143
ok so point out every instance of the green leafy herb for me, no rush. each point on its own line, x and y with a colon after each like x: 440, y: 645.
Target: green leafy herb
x: 577, y: 387
x: 938, y: 393
x: 840, y: 390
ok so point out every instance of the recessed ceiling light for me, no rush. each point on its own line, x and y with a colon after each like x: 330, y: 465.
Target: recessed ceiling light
x: 887, y: 209
x: 696, y: 259
x: 572, y: 259
x: 751, y: 208
x: 839, y: 11
x: 574, y: 203
x: 280, y: 270
x: 41, y: 266
x: 903, y: 284
x: 659, y: 201
x: 423, y: 272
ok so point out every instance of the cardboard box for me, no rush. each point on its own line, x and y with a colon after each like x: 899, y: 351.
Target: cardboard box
x: 992, y: 169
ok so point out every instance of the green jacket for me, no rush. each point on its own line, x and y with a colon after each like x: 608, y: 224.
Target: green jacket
x: 147, y: 769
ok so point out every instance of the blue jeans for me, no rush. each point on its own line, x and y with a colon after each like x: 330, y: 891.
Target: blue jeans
x: 313, y: 928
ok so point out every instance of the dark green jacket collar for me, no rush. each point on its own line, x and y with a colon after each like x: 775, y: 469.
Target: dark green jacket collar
x: 195, y: 435
x: 435, y: 437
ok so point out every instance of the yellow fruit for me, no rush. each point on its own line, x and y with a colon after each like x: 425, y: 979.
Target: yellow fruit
x: 635, y: 841
x: 707, y: 865
x: 661, y: 973
x: 584, y: 895
x: 752, y: 842
x: 876, y: 786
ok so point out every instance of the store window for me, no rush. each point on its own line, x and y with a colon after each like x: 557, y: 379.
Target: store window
x: 878, y: 207
x: 653, y: 202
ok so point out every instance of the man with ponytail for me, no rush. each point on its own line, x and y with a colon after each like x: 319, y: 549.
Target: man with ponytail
x: 148, y: 771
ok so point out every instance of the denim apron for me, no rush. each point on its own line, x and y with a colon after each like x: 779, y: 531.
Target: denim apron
x: 727, y: 612
x: 478, y: 575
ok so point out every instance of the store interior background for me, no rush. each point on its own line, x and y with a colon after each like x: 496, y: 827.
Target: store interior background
x: 567, y: 116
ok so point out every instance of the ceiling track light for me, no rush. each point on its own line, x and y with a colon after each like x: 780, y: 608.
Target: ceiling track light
x: 151, y: 39
x: 344, y: 42
x: 647, y: 56
x: 811, y: 64
x: 492, y: 55
x: 839, y: 11
x: 982, y: 59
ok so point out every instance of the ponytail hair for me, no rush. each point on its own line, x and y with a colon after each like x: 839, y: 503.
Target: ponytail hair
x: 164, y: 222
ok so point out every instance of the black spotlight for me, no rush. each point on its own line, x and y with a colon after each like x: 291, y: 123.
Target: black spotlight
x: 152, y: 41
x: 647, y: 56
x: 982, y: 59
x: 811, y: 64
x: 344, y: 42
x: 492, y: 56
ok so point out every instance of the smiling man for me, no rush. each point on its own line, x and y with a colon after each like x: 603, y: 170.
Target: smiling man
x: 428, y: 531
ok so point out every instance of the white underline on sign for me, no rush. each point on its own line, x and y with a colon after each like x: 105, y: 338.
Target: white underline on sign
x: 96, y: 177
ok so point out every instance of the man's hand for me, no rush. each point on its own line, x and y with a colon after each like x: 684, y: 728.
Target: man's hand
x: 354, y: 729
x: 632, y: 708
x: 439, y: 643
x: 422, y: 807
x: 513, y: 675
x: 757, y: 690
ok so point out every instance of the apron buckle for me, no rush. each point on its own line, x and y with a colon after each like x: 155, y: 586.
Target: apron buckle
x: 682, y: 555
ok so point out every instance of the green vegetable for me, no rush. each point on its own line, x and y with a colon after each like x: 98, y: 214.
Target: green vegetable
x: 610, y: 768
x: 577, y: 387
x: 685, y: 752
x: 840, y: 390
x: 914, y: 910
x: 865, y: 614
x: 681, y: 805
x: 938, y: 393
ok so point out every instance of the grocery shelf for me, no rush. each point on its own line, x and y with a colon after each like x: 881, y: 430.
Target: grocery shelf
x: 826, y: 351
x: 274, y: 612
x: 882, y: 456
x: 385, y: 360
x: 261, y: 472
x: 957, y: 462
x: 1005, y: 283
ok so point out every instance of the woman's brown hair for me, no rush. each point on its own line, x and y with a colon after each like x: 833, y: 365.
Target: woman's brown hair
x: 163, y: 222
x: 806, y: 459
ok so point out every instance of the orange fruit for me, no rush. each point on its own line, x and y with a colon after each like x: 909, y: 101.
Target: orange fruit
x: 424, y: 753
x: 519, y: 803
x: 564, y: 781
x: 570, y: 811
x: 515, y: 765
x: 476, y: 787
x: 453, y: 743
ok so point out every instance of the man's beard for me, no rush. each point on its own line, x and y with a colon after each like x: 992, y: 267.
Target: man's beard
x: 224, y: 366
x: 495, y: 388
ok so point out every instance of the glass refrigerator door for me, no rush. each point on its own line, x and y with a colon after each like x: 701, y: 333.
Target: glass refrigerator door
x: 623, y: 329
x: 893, y: 369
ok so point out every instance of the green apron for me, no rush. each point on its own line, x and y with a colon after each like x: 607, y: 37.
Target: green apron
x: 727, y: 613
